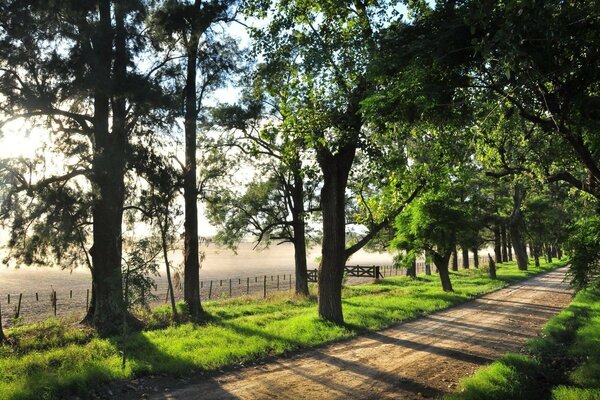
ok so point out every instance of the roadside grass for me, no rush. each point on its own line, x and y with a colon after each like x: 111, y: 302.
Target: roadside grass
x: 562, y: 364
x: 55, y: 360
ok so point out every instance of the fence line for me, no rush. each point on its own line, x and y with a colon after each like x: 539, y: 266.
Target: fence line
x: 40, y: 305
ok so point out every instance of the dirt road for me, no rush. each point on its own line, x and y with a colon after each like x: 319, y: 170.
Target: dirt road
x: 422, y: 358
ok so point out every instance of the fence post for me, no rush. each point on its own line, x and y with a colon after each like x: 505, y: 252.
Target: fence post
x: 265, y: 288
x: 230, y: 288
x: 87, y: 300
x: 277, y: 282
x: 9, y: 298
x: 37, y: 298
x: 290, y: 281
x: 19, y: 306
x: 54, y: 301
x: 210, y: 290
x: 247, y: 286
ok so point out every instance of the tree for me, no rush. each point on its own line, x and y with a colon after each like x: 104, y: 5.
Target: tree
x: 208, y: 62
x: 323, y: 48
x: 431, y: 225
x: 585, y: 259
x: 276, y: 204
x: 78, y: 77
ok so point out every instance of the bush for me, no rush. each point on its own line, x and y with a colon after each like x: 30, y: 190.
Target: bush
x: 584, y: 244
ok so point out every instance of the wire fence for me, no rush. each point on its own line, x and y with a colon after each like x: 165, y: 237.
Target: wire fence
x: 38, y: 306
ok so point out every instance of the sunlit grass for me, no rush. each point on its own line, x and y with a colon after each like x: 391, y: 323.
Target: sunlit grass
x: 54, y: 360
x: 562, y: 364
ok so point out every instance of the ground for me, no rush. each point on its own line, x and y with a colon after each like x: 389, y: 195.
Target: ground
x: 418, y: 359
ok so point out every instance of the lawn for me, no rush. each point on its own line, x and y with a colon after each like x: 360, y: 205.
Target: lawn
x: 562, y: 364
x: 54, y: 359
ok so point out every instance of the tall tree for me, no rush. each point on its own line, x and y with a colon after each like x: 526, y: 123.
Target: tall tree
x: 276, y: 204
x: 324, y: 47
x: 78, y: 78
x: 208, y: 60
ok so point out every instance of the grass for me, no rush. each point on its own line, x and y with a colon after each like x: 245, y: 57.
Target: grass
x: 53, y: 360
x: 562, y: 364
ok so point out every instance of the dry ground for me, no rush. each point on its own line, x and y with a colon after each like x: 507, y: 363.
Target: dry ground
x: 418, y: 359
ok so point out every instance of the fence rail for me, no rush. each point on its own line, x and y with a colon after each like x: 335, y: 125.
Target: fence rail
x: 37, y: 306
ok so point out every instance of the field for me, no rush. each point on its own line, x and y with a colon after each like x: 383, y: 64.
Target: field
x: 220, y: 265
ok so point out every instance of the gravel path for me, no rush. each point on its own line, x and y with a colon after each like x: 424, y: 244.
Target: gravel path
x: 418, y: 359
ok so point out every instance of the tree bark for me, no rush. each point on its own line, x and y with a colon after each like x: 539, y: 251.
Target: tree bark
x: 108, y: 171
x: 497, y: 243
x: 465, y: 257
x: 516, y: 224
x: 504, y: 243
x: 300, y: 259
x: 336, y: 168
x: 548, y: 253
x: 299, y: 228
x: 492, y: 267
x: 475, y: 251
x: 510, y: 253
x: 559, y: 253
x: 454, y: 259
x: 191, y: 284
x: 441, y: 263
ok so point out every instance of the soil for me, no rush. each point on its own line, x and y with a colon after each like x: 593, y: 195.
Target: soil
x: 422, y: 358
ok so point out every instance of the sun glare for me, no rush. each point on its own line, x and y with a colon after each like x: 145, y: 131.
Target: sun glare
x: 19, y: 139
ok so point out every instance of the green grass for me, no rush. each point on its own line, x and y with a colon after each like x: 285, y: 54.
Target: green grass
x: 53, y: 360
x: 562, y: 364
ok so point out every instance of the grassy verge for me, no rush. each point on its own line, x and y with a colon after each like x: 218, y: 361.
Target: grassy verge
x: 562, y: 364
x: 51, y: 360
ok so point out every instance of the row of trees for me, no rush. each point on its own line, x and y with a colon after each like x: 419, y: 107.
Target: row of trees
x: 459, y: 125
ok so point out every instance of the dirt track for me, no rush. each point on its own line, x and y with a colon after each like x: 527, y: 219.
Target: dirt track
x: 422, y: 358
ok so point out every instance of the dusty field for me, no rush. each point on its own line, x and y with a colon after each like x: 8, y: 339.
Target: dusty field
x: 246, y: 269
x: 422, y: 358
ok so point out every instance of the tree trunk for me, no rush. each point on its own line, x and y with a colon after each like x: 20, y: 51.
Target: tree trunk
x: 412, y: 270
x: 497, y: 244
x: 492, y: 267
x: 2, y: 337
x: 465, y: 257
x: 299, y: 227
x: 504, y: 243
x: 89, y: 315
x: 335, y: 177
x: 516, y: 226
x: 454, y: 259
x: 108, y: 171
x: 475, y: 251
x: 441, y: 264
x: 548, y: 253
x: 510, y: 252
x: 300, y: 259
x: 559, y: 253
x: 554, y: 252
x: 164, y: 229
x: 191, y: 284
